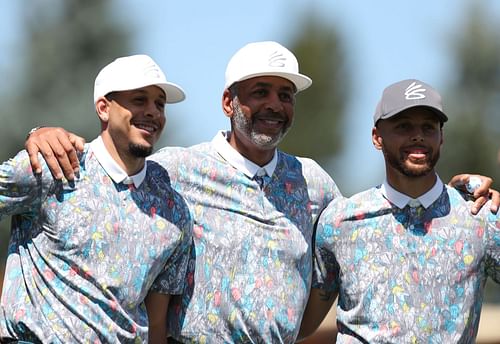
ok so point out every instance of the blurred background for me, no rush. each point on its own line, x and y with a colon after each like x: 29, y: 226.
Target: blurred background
x: 352, y: 49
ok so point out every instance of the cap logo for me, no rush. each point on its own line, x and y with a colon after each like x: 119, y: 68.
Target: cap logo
x: 152, y: 71
x: 414, y: 91
x: 277, y: 60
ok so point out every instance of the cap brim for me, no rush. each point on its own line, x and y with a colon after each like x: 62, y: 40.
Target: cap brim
x: 440, y: 114
x: 300, y: 81
x: 174, y: 92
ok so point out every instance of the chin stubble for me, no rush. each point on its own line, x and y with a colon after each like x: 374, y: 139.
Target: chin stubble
x: 140, y: 151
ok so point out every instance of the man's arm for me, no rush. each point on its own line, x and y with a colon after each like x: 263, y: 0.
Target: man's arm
x: 317, y: 308
x: 59, y: 149
x: 157, y: 306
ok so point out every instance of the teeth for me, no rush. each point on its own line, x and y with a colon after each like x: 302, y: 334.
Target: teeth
x: 145, y: 127
x: 271, y: 121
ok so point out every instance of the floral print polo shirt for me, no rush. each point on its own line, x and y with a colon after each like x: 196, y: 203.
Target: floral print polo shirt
x: 407, y: 272
x: 83, y: 256
x: 249, y: 277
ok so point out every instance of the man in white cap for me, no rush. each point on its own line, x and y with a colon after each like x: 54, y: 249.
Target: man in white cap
x: 96, y: 259
x: 254, y: 208
x: 407, y: 258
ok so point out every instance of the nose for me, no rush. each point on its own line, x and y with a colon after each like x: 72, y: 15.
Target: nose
x: 152, y: 110
x: 274, y: 104
x: 417, y: 135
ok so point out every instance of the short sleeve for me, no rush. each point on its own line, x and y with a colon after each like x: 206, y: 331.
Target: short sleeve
x: 493, y: 247
x: 21, y: 191
x: 326, y: 268
x: 172, y: 278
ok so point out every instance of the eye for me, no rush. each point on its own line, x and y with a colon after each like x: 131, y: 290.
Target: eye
x: 160, y: 105
x: 429, y: 127
x: 402, y: 125
x: 139, y: 100
x: 260, y: 92
x: 286, y: 97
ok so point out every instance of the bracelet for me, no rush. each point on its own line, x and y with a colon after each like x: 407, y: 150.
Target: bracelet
x: 33, y: 130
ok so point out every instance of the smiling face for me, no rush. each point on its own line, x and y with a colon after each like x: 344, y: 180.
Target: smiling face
x: 132, y: 121
x: 410, y: 141
x: 261, y: 113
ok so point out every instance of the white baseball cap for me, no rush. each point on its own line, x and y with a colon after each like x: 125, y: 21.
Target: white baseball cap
x: 266, y: 58
x: 132, y: 72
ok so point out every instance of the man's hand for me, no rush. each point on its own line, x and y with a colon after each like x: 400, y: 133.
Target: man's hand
x: 481, y: 194
x: 59, y: 149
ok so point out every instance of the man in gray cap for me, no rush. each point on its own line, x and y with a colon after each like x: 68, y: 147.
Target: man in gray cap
x: 96, y: 260
x: 407, y: 259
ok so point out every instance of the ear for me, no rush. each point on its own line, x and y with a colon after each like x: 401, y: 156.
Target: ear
x: 376, y: 138
x: 102, y: 107
x: 227, y: 103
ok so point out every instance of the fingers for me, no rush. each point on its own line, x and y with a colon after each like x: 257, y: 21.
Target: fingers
x: 57, y: 150
x: 33, y: 149
x: 478, y: 204
x: 459, y: 180
x: 77, y: 142
x: 495, y: 200
x: 479, y: 187
x: 484, y: 188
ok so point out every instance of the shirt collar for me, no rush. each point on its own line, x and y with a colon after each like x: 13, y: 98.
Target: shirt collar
x: 401, y: 200
x: 238, y: 161
x: 112, y: 168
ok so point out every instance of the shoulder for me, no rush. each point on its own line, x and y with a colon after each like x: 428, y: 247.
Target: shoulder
x: 458, y: 202
x: 313, y: 173
x: 170, y: 156
x: 165, y: 154
x: 158, y: 184
x: 298, y: 161
x: 307, y: 166
x: 352, y: 207
x: 18, y: 170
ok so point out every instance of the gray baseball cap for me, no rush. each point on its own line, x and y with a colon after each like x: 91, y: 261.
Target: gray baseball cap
x: 406, y: 94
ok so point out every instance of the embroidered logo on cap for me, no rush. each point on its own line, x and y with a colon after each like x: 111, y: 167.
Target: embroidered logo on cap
x: 277, y: 60
x: 414, y: 91
x: 152, y: 70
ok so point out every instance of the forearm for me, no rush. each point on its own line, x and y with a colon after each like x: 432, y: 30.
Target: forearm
x: 317, y: 308
x: 157, y: 306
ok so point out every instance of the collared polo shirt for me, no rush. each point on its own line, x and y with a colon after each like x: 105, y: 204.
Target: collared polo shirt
x: 249, y: 279
x: 407, y: 274
x: 83, y: 255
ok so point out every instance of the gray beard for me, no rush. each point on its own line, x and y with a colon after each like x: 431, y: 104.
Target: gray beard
x: 245, y: 125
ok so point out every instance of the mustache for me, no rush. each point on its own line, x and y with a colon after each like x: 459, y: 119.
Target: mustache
x: 417, y: 147
x: 270, y: 115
